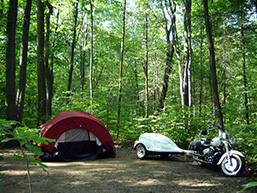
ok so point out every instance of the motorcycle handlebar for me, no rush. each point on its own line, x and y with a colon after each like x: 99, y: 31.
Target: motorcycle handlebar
x: 214, y: 127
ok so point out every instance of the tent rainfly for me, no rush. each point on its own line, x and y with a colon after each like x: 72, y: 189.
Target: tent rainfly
x: 79, y: 136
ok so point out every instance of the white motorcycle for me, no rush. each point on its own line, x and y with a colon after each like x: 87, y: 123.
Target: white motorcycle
x: 218, y: 151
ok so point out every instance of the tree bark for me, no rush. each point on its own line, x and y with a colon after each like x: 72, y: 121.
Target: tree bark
x: 23, y: 62
x: 91, y: 52
x: 121, y: 68
x: 10, y: 97
x: 83, y: 56
x: 212, y: 65
x: 244, y: 75
x: 169, y: 51
x: 40, y: 63
x: 187, y: 54
x: 146, y: 66
x: 73, y: 46
x: 201, y: 73
x: 48, y: 68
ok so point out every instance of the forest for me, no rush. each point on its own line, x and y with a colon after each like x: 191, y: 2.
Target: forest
x: 163, y: 66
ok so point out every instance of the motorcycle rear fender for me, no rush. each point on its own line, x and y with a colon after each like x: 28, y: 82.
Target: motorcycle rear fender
x: 232, y: 152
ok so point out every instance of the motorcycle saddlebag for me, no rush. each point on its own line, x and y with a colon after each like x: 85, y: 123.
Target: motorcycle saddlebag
x: 195, y: 146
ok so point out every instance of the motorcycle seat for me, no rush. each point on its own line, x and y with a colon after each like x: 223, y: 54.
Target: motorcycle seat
x: 205, y: 141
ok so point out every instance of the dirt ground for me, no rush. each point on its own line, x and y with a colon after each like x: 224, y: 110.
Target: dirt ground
x: 122, y: 174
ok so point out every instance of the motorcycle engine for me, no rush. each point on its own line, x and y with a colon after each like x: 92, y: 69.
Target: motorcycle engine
x: 207, y: 152
x: 211, y: 155
x: 216, y: 141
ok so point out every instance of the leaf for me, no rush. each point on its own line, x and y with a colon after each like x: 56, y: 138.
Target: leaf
x: 7, y: 139
x: 1, y: 186
x: 249, y: 185
x: 15, y: 157
x: 34, y: 149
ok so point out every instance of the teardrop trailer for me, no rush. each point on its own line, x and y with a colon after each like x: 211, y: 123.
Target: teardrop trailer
x: 156, y: 144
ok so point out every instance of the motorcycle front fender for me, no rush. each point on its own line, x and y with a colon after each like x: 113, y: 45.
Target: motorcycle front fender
x: 232, y: 152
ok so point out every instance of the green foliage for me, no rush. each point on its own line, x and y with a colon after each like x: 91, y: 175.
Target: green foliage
x: 247, y: 144
x: 250, y: 185
x: 27, y: 138
x: 170, y: 123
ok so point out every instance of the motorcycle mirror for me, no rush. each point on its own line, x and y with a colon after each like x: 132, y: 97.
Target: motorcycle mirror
x: 210, y: 123
x: 203, y: 132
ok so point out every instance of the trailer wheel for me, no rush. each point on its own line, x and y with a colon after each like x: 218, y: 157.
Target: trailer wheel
x: 142, y: 153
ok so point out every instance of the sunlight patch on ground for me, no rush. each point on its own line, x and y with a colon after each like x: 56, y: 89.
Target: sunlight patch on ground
x: 149, y: 182
x: 13, y: 172
x: 195, y: 184
x: 56, y: 164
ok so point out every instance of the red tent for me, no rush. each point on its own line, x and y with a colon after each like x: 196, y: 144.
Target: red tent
x: 78, y: 134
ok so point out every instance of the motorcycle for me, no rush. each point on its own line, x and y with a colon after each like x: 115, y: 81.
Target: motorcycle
x: 218, y: 152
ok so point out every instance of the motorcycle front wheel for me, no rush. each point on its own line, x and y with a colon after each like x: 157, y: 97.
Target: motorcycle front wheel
x: 235, y: 168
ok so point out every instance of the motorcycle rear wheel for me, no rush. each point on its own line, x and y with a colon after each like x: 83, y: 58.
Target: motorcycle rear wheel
x: 237, y: 167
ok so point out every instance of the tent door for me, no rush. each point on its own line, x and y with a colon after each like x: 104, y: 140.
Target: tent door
x: 77, y: 142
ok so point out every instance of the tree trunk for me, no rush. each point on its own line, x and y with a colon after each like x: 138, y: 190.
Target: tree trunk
x: 50, y: 77
x: 82, y: 68
x: 73, y: 46
x: 40, y: 63
x: 212, y: 65
x: 201, y: 73
x: 121, y: 68
x: 187, y: 54
x: 146, y: 66
x: 155, y: 84
x: 169, y: 52
x: 10, y: 97
x: 48, y: 69
x: 91, y: 53
x: 23, y: 62
x: 137, y: 87
x: 244, y: 74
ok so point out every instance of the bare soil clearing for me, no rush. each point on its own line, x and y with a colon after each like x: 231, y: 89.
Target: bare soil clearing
x: 125, y: 173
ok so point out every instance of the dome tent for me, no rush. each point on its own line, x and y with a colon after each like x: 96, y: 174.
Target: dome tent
x: 79, y: 136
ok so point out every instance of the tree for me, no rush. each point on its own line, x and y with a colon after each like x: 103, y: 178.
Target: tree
x: 91, y: 51
x: 40, y: 63
x: 169, y: 9
x: 23, y: 62
x: 73, y: 45
x: 187, y: 54
x: 10, y: 96
x: 146, y: 65
x: 48, y: 68
x: 212, y: 64
x: 121, y: 67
